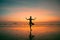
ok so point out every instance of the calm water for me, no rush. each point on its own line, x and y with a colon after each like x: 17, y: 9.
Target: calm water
x: 21, y: 32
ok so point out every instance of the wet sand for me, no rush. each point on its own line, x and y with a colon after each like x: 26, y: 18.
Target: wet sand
x: 40, y: 32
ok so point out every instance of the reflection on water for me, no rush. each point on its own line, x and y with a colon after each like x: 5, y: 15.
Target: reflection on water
x: 40, y: 32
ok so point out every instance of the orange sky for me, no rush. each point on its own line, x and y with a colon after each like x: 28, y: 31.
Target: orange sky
x: 41, y: 15
x: 18, y: 10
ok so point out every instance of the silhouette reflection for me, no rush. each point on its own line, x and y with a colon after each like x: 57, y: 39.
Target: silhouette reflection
x: 30, y: 24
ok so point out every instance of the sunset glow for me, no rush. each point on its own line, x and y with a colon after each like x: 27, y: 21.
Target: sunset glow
x: 29, y: 20
x: 44, y: 11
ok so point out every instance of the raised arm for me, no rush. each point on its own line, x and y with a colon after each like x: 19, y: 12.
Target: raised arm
x: 27, y: 19
x: 34, y: 18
